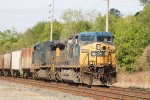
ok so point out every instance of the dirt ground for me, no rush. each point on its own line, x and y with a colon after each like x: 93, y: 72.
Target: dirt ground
x: 13, y: 91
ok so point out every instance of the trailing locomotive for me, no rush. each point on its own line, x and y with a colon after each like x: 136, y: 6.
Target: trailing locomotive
x: 87, y: 58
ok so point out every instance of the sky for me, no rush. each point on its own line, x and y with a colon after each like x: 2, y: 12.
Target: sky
x: 24, y: 14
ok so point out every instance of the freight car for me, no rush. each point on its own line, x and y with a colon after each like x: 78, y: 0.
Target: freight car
x: 15, y: 63
x: 1, y: 64
x: 26, y: 62
x: 7, y: 64
x: 87, y: 58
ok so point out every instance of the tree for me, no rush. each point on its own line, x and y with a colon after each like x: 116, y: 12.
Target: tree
x: 70, y: 15
x: 128, y: 41
x: 144, y: 1
x: 115, y: 12
x: 75, y: 22
x: 8, y: 38
x: 144, y: 20
x: 99, y: 24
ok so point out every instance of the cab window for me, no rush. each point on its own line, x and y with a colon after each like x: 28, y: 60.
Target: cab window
x: 87, y: 38
x: 104, y: 39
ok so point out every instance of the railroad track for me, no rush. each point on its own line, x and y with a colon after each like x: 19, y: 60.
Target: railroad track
x: 98, y: 93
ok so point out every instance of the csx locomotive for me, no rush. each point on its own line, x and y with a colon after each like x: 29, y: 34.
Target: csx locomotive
x: 88, y: 57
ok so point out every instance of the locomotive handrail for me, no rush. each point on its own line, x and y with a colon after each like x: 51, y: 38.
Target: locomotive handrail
x: 84, y: 62
x: 52, y: 65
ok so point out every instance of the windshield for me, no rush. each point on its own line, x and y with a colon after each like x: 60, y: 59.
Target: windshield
x: 104, y: 39
x: 87, y: 38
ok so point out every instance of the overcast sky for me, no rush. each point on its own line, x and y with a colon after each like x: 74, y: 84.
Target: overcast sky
x: 23, y: 14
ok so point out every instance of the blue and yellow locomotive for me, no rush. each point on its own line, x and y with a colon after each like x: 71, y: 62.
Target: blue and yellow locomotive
x: 88, y: 58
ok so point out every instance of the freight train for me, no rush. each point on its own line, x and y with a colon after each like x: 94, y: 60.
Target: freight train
x: 88, y: 58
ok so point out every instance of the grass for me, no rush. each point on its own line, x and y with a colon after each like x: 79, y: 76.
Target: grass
x: 135, y: 80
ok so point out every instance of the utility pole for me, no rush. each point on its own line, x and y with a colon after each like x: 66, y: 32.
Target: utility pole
x: 107, y: 16
x: 51, y: 20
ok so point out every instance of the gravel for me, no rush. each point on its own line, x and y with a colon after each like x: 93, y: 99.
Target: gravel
x: 15, y: 91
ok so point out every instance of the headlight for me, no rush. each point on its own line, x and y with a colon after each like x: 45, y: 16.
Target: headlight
x: 91, y: 62
x: 109, y: 62
x: 98, y: 46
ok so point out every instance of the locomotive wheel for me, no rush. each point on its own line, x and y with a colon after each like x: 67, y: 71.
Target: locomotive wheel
x: 91, y: 81
x: 109, y: 79
x: 15, y: 74
x: 57, y: 76
x: 9, y: 74
x: 35, y: 76
x: 1, y: 73
x: 6, y: 73
x: 25, y: 75
x: 104, y: 80
x: 49, y: 76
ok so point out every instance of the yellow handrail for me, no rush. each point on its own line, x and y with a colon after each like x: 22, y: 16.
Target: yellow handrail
x: 84, y: 62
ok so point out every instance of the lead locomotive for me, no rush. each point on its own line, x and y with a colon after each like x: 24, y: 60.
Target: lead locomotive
x: 88, y: 58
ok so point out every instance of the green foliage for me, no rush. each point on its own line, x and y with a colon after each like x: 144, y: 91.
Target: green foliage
x: 115, y: 12
x: 99, y: 25
x: 39, y: 33
x: 8, y: 40
x: 144, y: 1
x: 75, y: 22
x: 129, y: 42
x: 72, y: 28
x: 132, y: 35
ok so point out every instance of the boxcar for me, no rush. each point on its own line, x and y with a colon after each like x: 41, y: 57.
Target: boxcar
x: 1, y: 64
x: 7, y: 64
x: 16, y: 57
x: 26, y: 62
